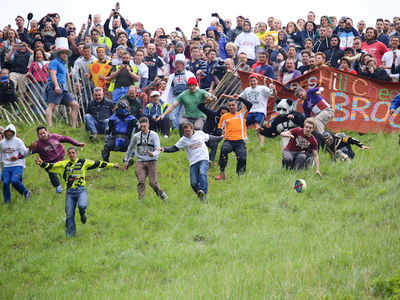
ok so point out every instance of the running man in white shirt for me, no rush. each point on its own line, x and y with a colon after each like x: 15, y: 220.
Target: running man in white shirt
x: 197, y: 153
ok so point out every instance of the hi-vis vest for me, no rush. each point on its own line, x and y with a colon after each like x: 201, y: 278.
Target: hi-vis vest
x: 112, y: 84
x: 163, y: 106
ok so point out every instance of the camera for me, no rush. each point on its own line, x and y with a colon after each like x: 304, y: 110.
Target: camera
x: 90, y: 17
x: 191, y: 69
x: 52, y: 15
x: 125, y: 62
x: 163, y: 36
x: 219, y: 69
x: 214, y: 15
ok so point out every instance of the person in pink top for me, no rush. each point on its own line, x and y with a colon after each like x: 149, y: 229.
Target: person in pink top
x: 373, y: 46
x: 39, y: 74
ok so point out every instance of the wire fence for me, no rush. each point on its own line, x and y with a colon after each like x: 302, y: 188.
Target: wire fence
x: 31, y: 105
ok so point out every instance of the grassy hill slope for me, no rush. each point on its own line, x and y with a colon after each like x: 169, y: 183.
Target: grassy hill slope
x: 255, y: 238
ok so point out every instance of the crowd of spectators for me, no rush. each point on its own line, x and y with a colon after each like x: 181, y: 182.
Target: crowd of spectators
x: 116, y: 54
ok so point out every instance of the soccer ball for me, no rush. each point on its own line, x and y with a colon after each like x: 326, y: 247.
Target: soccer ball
x: 300, y: 185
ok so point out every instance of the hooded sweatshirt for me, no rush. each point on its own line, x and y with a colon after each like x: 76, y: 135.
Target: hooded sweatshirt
x: 320, y: 22
x: 117, y: 61
x: 283, y: 43
x: 12, y: 147
x: 308, y: 34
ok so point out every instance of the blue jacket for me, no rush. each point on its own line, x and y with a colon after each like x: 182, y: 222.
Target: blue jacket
x: 267, y: 70
x: 222, y: 41
x: 346, y: 37
x: 395, y: 102
x: 155, y: 110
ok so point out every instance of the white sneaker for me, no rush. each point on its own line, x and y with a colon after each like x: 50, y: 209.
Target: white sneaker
x: 166, y: 137
x: 164, y: 197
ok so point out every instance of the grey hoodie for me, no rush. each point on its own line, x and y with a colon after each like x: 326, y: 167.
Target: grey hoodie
x: 117, y: 61
x: 12, y: 147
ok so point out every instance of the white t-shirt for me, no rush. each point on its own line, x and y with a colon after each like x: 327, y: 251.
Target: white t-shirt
x: 247, y: 42
x: 143, y: 71
x: 258, y: 97
x: 195, y: 147
x: 387, y: 60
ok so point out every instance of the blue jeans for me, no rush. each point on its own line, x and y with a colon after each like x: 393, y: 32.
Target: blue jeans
x: 12, y: 175
x: 198, y: 176
x: 117, y: 93
x: 74, y: 196
x: 95, y: 126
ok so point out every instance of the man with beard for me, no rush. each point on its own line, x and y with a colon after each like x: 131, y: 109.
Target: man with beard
x: 233, y: 33
x: 56, y: 90
x: 333, y: 54
x: 373, y: 46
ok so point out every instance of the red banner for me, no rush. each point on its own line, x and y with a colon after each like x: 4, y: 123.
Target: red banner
x: 361, y: 104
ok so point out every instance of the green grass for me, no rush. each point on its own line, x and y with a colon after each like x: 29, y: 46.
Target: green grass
x: 254, y: 239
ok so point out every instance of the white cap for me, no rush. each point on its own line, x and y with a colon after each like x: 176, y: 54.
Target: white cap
x: 155, y: 93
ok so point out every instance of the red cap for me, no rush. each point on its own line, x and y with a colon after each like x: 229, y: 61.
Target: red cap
x: 254, y: 75
x: 192, y: 80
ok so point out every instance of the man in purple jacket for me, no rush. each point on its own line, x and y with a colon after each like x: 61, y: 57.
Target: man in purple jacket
x: 313, y: 102
x: 50, y: 150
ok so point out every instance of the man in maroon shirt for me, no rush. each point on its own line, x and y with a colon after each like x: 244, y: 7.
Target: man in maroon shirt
x: 50, y: 149
x: 294, y: 155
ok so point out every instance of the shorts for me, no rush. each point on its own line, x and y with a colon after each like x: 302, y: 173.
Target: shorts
x: 63, y: 98
x: 256, y: 117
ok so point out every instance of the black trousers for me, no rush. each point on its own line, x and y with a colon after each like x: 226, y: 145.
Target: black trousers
x: 241, y: 154
x: 163, y: 125
x: 111, y: 145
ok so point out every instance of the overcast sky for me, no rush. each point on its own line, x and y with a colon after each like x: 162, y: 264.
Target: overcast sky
x: 170, y: 14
